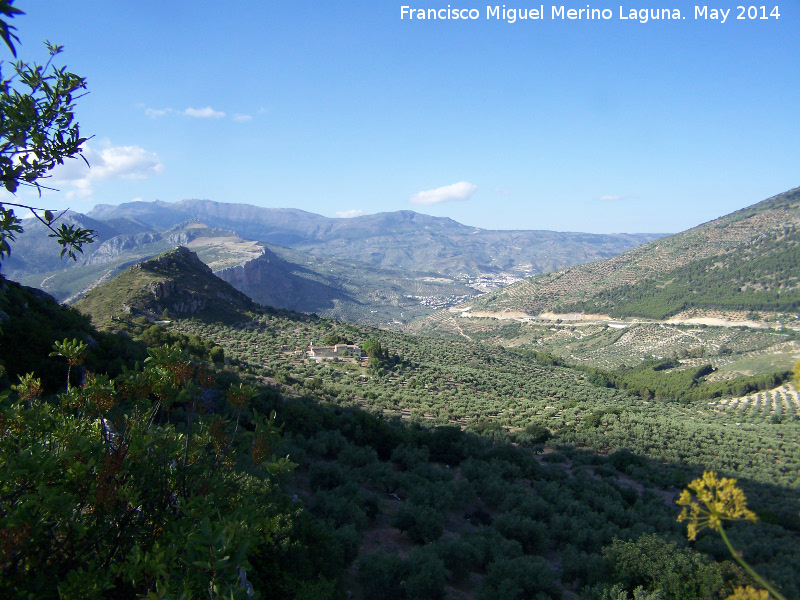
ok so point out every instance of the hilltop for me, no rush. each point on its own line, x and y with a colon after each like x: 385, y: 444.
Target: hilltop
x: 120, y: 244
x: 176, y: 283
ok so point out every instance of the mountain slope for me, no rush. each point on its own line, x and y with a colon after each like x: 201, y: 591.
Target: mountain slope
x: 286, y: 278
x: 176, y: 281
x: 403, y: 239
x: 741, y: 240
x: 120, y: 244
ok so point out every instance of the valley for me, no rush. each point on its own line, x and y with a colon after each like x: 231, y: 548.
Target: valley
x: 384, y: 270
x: 470, y: 452
x: 352, y: 303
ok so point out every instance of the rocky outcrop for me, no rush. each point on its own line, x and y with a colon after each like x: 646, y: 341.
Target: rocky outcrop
x: 272, y: 281
x: 262, y: 279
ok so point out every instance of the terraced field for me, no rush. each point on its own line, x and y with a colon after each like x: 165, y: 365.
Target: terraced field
x: 734, y: 351
x: 773, y: 406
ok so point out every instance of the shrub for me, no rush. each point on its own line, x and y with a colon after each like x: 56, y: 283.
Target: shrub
x: 518, y: 579
x: 422, y: 524
x: 381, y: 576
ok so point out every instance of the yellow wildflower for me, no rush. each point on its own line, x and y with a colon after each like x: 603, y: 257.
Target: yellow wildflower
x: 715, y: 500
x: 748, y: 593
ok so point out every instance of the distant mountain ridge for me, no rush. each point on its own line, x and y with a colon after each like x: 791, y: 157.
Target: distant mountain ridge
x: 396, y: 240
x: 385, y: 268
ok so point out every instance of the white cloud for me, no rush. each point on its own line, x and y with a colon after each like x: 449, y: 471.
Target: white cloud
x: 346, y: 214
x: 108, y: 162
x: 204, y: 113
x: 154, y: 113
x: 458, y: 191
x: 616, y: 198
x: 242, y: 118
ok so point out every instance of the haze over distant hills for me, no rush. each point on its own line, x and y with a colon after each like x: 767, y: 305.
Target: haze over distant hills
x: 374, y: 269
x: 396, y: 240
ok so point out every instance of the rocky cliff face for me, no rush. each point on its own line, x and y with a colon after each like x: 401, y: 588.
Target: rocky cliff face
x: 176, y: 280
x: 262, y: 279
x: 272, y: 281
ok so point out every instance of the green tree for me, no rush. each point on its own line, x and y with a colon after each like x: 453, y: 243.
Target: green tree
x: 112, y: 487
x: 37, y: 132
x: 372, y: 348
x: 73, y: 350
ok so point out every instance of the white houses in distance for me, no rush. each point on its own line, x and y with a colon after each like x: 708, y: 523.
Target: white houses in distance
x: 350, y: 352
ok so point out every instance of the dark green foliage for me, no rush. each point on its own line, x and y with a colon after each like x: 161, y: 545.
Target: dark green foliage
x: 581, y: 567
x: 372, y: 348
x: 422, y: 524
x: 448, y: 445
x: 301, y: 551
x: 335, y: 338
x: 407, y: 456
x: 381, y: 576
x: 533, y: 434
x: 426, y: 578
x: 528, y: 532
x: 340, y: 506
x: 458, y: 556
x: 123, y: 484
x: 326, y: 476
x: 518, y: 579
x: 358, y: 456
x: 657, y: 379
x: 491, y: 546
x: 34, y: 321
x: 624, y: 458
x: 217, y: 355
x: 762, y: 275
x: 655, y: 563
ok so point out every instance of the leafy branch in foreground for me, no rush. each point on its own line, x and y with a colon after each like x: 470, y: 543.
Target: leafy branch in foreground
x: 714, y: 501
x: 37, y: 132
x: 71, y: 237
x: 73, y: 350
x: 9, y: 11
x: 111, y: 490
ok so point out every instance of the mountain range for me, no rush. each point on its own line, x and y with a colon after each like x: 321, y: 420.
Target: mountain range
x: 377, y: 269
x: 396, y: 240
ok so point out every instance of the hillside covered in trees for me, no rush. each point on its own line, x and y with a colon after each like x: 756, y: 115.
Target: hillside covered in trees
x: 170, y: 438
x: 437, y: 470
x: 744, y: 261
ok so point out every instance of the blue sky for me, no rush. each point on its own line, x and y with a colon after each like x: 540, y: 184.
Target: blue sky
x: 342, y: 108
